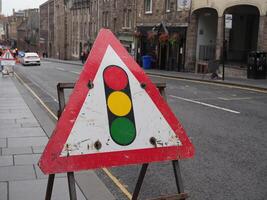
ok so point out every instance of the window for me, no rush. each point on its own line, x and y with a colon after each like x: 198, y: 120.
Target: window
x: 168, y: 5
x: 114, y: 25
x: 127, y: 23
x: 148, y: 6
x: 115, y: 5
x: 124, y: 18
x: 105, y: 19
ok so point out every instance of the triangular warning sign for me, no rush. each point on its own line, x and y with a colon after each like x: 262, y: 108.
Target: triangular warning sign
x: 115, y: 116
x: 7, y: 55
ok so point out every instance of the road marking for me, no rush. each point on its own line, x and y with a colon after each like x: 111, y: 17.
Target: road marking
x: 118, y: 183
x: 45, y: 62
x: 205, y: 104
x: 234, y: 99
x: 108, y: 173
x: 211, y: 83
x: 74, y: 72
x: 61, y: 69
x: 36, y: 96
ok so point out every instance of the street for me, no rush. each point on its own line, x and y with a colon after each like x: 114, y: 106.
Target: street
x: 227, y: 126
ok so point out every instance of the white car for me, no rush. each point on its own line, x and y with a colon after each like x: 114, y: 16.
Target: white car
x: 30, y: 59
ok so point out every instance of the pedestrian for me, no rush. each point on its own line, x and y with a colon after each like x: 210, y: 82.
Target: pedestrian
x: 82, y: 57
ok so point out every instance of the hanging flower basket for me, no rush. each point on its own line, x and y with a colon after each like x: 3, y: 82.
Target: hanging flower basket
x: 174, y: 38
x: 151, y: 36
x: 137, y: 34
x: 164, y: 37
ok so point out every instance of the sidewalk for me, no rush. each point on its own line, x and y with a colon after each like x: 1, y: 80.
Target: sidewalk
x: 22, y: 141
x: 260, y: 84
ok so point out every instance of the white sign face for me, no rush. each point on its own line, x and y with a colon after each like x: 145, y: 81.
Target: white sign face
x: 183, y: 5
x: 8, y: 62
x: 92, y: 122
x: 228, y: 21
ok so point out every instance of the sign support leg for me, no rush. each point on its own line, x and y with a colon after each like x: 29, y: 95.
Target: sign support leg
x: 140, y: 181
x: 178, y: 176
x: 49, y: 187
x: 71, y: 183
x: 178, y: 180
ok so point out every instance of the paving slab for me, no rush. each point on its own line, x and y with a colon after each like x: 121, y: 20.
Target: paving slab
x: 16, y: 151
x: 3, y: 142
x: 6, y: 161
x: 29, y: 124
x: 41, y: 175
x: 22, y: 121
x: 3, y: 190
x: 7, y: 122
x: 92, y: 186
x: 13, y: 173
x: 29, y: 159
x: 35, y: 189
x: 38, y: 149
x: 26, y: 142
x: 21, y: 132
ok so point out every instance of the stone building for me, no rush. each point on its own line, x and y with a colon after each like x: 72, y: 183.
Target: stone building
x: 84, y: 25
x: 89, y: 16
x: 47, y: 28
x: 119, y: 17
x: 207, y: 30
x: 3, y: 22
x: 61, y: 34
x: 28, y: 31
x: 11, y: 27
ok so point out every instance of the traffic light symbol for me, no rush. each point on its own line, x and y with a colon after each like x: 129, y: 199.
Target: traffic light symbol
x: 119, y: 105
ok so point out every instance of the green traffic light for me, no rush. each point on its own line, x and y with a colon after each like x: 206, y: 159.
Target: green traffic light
x: 123, y: 131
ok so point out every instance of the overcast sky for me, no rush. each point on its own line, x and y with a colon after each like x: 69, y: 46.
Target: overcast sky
x: 8, y: 5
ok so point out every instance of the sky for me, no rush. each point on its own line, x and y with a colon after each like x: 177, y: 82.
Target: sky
x: 8, y: 5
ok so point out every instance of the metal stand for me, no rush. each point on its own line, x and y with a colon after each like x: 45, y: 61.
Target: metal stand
x: 70, y: 175
x: 71, y: 180
x: 176, y: 169
x: 178, y: 178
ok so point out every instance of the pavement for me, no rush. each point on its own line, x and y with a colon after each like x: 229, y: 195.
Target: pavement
x: 22, y: 141
x: 258, y: 84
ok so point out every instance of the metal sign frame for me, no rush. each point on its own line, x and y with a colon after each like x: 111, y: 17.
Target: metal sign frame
x: 70, y: 175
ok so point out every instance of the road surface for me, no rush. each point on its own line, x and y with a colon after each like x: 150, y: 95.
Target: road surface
x: 227, y: 126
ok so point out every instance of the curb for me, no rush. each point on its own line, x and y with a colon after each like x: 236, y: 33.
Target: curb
x: 241, y: 85
x: 245, y: 86
x: 63, y: 61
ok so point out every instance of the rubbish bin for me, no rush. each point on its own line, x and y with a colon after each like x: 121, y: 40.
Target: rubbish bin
x: 257, y: 65
x: 147, y: 60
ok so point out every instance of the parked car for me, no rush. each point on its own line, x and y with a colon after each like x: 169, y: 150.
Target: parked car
x: 30, y: 59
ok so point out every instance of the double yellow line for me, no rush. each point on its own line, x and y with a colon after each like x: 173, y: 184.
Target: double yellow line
x: 107, y: 172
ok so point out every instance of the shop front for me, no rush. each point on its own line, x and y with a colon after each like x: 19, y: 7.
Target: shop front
x: 164, y: 44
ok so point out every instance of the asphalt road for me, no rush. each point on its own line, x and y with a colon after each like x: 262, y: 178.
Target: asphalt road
x: 226, y: 125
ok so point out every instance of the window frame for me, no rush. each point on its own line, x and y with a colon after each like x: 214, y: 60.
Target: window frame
x: 167, y: 6
x: 148, y: 11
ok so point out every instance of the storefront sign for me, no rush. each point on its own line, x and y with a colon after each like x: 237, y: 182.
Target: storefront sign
x: 183, y: 5
x: 228, y: 21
